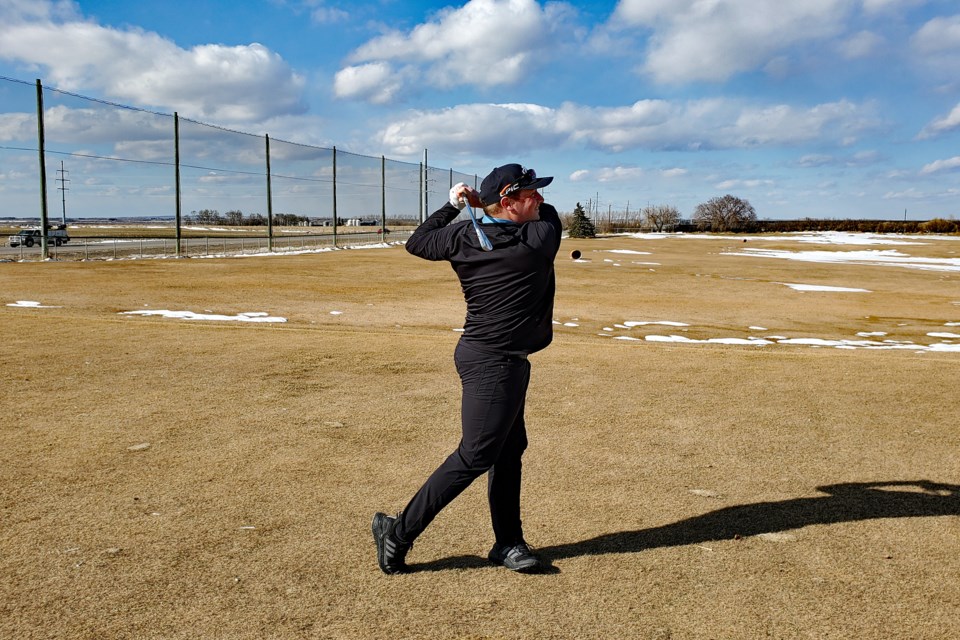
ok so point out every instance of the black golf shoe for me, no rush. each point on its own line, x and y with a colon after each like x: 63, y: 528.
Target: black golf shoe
x: 391, y: 553
x: 516, y: 557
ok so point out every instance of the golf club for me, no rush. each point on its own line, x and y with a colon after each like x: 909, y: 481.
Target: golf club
x: 481, y: 236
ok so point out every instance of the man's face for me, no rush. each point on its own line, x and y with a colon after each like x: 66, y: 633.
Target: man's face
x: 525, y: 205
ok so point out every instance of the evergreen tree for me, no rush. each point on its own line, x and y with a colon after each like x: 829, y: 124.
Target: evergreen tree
x: 580, y: 225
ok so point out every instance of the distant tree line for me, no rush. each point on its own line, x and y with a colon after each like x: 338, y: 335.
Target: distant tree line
x: 936, y: 225
x: 238, y: 219
x: 730, y: 214
x: 655, y: 218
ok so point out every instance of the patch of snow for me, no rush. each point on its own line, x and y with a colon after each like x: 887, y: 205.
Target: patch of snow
x: 30, y: 304
x: 820, y: 287
x: 704, y: 493
x: 847, y: 238
x: 760, y: 342
x: 190, y: 315
x: 886, y: 258
x: 777, y: 537
x: 637, y: 323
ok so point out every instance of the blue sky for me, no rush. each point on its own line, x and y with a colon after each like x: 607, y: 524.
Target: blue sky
x: 807, y: 108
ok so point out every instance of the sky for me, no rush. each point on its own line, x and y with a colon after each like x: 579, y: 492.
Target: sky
x: 806, y: 108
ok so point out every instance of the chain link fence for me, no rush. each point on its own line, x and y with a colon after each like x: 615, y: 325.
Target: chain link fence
x: 68, y: 158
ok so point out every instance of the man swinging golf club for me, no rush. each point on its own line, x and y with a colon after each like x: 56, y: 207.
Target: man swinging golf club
x: 509, y: 292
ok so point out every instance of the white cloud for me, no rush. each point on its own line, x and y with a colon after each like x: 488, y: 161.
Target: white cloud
x: 898, y: 174
x: 942, y: 125
x: 140, y: 135
x: 878, y: 6
x: 618, y: 174
x: 13, y: 10
x: 328, y: 15
x: 375, y: 82
x: 648, y: 12
x: 908, y: 194
x: 914, y: 194
x: 226, y: 83
x: 861, y: 45
x: 742, y: 184
x: 647, y: 124
x: 712, y: 40
x: 618, y: 128
x: 91, y: 126
x: 786, y: 124
x: 18, y: 127
x: 488, y: 129
x: 816, y: 160
x: 864, y: 158
x: 146, y: 136
x: 778, y: 67
x: 858, y: 159
x: 937, y: 45
x: 939, y: 35
x: 941, y: 165
x: 484, y: 42
x: 621, y: 174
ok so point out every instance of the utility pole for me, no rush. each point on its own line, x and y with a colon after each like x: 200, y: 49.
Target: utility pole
x: 63, y: 180
x: 426, y: 186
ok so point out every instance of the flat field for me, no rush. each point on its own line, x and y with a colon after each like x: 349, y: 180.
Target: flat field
x: 778, y: 460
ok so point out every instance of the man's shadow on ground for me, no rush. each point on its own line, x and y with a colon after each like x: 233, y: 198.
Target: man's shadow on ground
x: 848, y: 502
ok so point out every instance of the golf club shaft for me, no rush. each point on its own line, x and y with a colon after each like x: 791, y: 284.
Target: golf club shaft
x: 481, y: 236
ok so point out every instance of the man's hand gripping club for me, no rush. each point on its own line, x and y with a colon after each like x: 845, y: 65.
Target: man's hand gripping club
x: 463, y: 196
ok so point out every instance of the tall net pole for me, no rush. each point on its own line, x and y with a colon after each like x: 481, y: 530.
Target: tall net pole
x: 44, y: 251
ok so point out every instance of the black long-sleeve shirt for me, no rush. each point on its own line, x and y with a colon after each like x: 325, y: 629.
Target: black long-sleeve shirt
x: 509, y: 291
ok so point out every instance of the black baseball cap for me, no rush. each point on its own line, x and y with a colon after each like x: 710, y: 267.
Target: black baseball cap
x: 508, y: 179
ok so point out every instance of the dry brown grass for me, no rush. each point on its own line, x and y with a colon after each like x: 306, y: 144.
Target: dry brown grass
x: 679, y: 491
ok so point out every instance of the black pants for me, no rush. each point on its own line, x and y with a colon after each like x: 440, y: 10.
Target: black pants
x: 494, y: 438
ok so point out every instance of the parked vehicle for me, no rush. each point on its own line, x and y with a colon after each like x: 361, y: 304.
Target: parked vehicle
x: 56, y: 234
